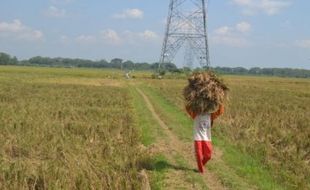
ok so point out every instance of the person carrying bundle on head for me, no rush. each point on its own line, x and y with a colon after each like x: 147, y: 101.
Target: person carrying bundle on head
x: 204, y: 96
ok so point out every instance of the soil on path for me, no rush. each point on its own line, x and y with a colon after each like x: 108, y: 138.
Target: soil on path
x: 173, y: 146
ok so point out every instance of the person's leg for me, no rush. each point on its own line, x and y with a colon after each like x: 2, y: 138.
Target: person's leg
x: 199, y: 156
x: 206, y: 151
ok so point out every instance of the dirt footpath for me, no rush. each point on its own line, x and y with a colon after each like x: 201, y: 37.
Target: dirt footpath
x: 172, y: 146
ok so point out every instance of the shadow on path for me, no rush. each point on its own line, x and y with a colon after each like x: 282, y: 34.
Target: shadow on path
x: 159, y: 165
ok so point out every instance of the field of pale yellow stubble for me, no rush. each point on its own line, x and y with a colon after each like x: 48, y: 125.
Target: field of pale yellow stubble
x: 66, y: 129
x: 267, y: 118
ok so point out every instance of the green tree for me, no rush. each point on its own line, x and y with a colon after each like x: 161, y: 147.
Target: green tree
x: 117, y: 63
x: 5, y: 59
x: 128, y: 65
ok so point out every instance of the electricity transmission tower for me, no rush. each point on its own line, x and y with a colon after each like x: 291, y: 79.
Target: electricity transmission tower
x: 188, y: 56
x: 186, y: 24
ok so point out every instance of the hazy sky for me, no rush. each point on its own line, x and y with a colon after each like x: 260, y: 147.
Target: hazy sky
x: 248, y: 33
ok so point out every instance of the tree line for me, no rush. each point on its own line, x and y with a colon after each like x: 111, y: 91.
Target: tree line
x: 281, y: 72
x: 117, y: 63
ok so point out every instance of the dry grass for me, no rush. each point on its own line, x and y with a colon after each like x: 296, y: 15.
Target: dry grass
x: 204, y: 92
x: 65, y: 136
x: 267, y: 118
x: 58, y: 134
x: 270, y: 120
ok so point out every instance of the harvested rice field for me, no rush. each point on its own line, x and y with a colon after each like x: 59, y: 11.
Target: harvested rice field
x: 93, y: 129
x: 266, y: 118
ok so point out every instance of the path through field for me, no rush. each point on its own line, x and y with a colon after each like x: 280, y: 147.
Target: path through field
x: 68, y: 140
x: 173, y: 146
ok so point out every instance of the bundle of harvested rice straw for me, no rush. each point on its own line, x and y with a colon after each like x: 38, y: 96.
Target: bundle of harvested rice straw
x: 204, y: 92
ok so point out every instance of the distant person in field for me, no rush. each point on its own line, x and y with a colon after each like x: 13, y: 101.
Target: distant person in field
x: 204, y: 96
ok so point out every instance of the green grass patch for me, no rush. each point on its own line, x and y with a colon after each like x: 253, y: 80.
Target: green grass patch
x: 236, y: 166
x: 192, y: 176
x: 157, y: 170
x: 144, y: 120
x: 176, y: 120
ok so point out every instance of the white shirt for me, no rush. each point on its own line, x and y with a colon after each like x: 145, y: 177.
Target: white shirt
x: 202, y: 127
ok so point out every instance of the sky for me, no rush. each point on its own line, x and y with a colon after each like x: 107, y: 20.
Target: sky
x: 246, y: 33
